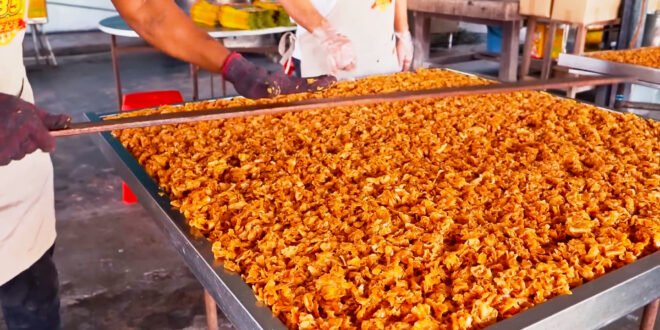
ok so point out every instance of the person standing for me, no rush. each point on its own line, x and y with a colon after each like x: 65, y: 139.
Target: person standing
x: 350, y: 38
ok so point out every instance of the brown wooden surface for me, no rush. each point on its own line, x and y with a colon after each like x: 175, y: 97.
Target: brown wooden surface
x: 527, y: 48
x: 211, y: 311
x: 421, y: 39
x: 546, y: 70
x: 510, y: 49
x: 500, y: 10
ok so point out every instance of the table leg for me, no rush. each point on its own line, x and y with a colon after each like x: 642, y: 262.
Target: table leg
x: 212, y: 87
x: 580, y: 39
x: 421, y: 38
x: 115, y: 69
x: 546, y: 70
x: 649, y: 316
x: 527, y: 49
x: 510, y: 46
x: 211, y: 311
x: 194, y: 73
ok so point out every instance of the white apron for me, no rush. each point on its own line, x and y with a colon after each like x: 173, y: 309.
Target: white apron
x: 369, y: 24
x: 27, y: 206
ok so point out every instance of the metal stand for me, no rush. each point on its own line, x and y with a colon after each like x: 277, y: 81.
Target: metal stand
x: 41, y: 42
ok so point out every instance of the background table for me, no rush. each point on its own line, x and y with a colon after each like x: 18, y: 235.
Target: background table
x: 502, y: 13
x: 115, y: 26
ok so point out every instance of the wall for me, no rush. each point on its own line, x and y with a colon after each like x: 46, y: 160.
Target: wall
x: 77, y: 15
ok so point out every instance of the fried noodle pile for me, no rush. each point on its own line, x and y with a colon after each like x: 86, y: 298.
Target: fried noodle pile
x: 448, y: 213
x: 647, y: 56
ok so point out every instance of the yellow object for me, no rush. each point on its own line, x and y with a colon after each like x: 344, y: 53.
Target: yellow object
x: 37, y: 9
x: 540, y: 35
x: 205, y: 13
x: 246, y: 17
x: 280, y: 16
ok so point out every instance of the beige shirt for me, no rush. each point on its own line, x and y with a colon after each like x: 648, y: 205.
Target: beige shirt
x: 27, y: 206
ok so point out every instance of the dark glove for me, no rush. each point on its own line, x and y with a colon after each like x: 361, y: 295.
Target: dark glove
x: 24, y: 128
x: 255, y: 82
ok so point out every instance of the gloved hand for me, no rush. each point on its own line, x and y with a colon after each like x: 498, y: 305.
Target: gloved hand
x: 24, y: 128
x: 404, y: 49
x: 255, y: 82
x: 341, y: 55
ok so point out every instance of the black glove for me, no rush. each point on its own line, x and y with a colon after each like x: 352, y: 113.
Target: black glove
x: 24, y: 128
x: 255, y: 82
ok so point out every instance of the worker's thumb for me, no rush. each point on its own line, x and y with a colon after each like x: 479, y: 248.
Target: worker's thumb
x: 55, y: 122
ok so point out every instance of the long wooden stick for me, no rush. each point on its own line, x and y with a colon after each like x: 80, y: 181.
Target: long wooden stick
x: 314, y: 104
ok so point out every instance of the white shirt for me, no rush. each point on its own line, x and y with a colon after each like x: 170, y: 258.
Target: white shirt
x: 27, y: 206
x: 323, y: 7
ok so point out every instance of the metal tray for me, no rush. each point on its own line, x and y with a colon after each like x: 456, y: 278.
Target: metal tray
x: 647, y: 76
x: 591, y: 306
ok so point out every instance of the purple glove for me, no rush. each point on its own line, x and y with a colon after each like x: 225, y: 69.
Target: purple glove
x: 24, y: 128
x: 255, y: 82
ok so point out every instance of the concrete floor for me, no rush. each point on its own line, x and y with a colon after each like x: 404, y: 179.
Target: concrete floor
x: 117, y: 271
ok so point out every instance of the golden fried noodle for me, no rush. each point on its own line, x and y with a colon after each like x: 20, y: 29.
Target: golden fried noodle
x: 649, y: 56
x: 448, y: 213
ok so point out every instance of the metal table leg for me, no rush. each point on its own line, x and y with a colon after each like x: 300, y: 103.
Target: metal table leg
x: 649, y: 316
x: 115, y: 69
x: 211, y: 311
x: 510, y: 45
x: 194, y: 73
x: 37, y: 49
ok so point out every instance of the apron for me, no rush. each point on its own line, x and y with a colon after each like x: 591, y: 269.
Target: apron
x: 369, y: 24
x: 27, y: 204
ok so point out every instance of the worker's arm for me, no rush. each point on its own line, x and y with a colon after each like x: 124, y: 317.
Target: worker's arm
x: 304, y: 14
x: 404, y: 45
x: 165, y: 26
x: 338, y: 48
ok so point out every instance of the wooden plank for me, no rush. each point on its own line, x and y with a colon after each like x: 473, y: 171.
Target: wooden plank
x: 500, y: 10
x: 421, y: 38
x: 546, y: 69
x: 510, y: 48
x: 527, y: 49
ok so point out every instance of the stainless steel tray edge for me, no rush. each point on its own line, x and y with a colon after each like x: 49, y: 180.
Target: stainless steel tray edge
x: 596, y: 303
x: 591, y: 64
x: 234, y: 297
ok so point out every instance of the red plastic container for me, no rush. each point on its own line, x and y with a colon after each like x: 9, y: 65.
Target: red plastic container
x: 143, y: 100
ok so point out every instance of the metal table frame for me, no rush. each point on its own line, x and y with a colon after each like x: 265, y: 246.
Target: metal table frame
x: 591, y: 306
x: 582, y: 64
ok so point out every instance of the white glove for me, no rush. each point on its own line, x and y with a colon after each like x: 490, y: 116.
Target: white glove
x: 404, y: 49
x: 339, y: 49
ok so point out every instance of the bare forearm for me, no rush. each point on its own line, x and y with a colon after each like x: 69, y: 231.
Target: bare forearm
x: 401, y: 16
x: 165, y: 26
x: 304, y: 13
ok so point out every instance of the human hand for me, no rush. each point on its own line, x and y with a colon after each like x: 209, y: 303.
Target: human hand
x: 340, y: 53
x: 255, y: 82
x: 24, y: 128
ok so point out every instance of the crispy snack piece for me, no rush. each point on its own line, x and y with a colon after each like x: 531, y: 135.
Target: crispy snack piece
x: 647, y: 56
x: 451, y: 213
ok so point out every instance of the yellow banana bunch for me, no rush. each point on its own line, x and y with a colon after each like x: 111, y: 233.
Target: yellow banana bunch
x: 245, y: 17
x: 204, y: 13
x: 281, y: 17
